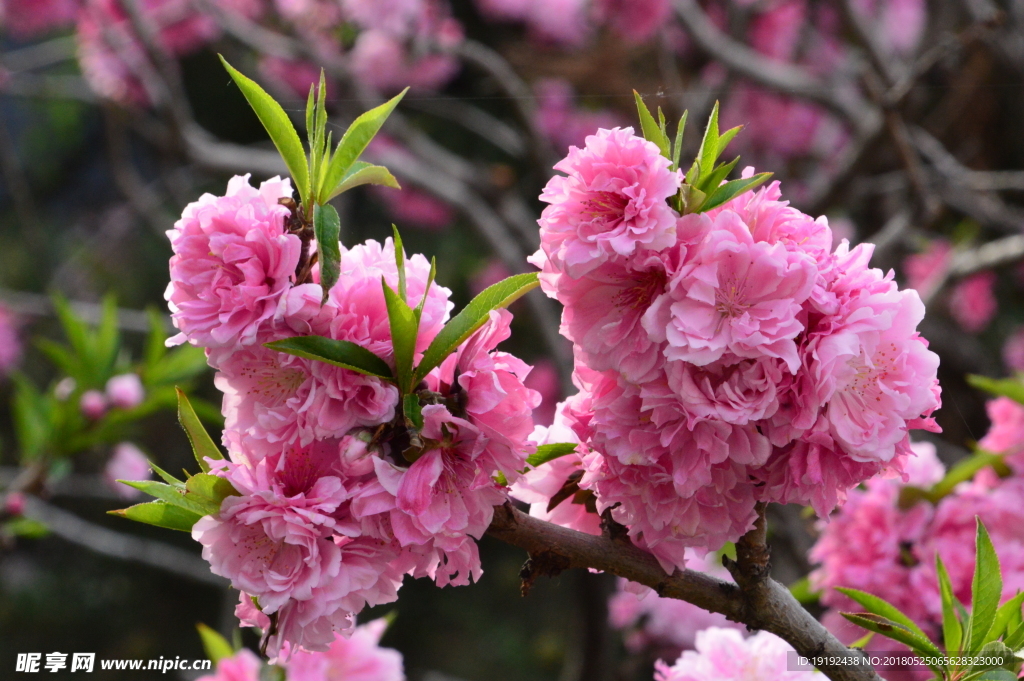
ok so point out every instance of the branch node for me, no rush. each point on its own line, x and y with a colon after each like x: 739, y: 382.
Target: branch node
x: 543, y: 564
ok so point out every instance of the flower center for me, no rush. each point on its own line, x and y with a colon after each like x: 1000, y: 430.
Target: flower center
x: 641, y: 290
x: 610, y: 206
x: 730, y: 300
x: 270, y: 383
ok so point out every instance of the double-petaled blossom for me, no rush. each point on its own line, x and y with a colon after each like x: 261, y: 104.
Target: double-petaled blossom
x: 233, y: 261
x: 126, y: 463
x: 357, y: 658
x: 724, y: 655
x: 742, y: 359
x: 611, y: 202
x: 242, y: 666
x: 125, y: 391
x: 1006, y: 434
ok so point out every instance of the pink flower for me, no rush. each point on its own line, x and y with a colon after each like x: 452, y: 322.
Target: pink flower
x: 93, y: 404
x: 552, y: 489
x: 490, y: 386
x: 871, y: 366
x: 724, y: 655
x: 382, y: 61
x: 357, y: 658
x: 29, y: 18
x: 447, y: 490
x: 127, y: 463
x: 775, y: 32
x: 562, y: 22
x: 926, y: 270
x: 734, y: 298
x: 14, y: 503
x: 399, y: 18
x: 10, y: 346
x: 972, y: 302
x: 125, y: 391
x: 603, y: 311
x: 1006, y: 434
x: 611, y: 203
x: 242, y: 666
x: 233, y: 261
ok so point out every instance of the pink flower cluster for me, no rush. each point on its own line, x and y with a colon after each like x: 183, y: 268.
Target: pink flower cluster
x: 723, y: 358
x: 358, y: 658
x: 570, y: 23
x: 724, y: 655
x: 873, y: 545
x: 336, y: 503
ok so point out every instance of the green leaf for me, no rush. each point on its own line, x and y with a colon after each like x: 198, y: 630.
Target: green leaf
x: 1016, y: 638
x: 107, y: 339
x: 156, y: 346
x: 952, y: 628
x: 400, y: 264
x: 963, y: 470
x: 161, y: 514
x: 278, y: 126
x: 651, y: 129
x: 985, y: 590
x: 472, y: 317
x: 203, y: 446
x: 732, y: 189
x: 710, y: 183
x: 363, y: 173
x: 550, y: 452
x: 167, y: 477
x: 340, y: 353
x: 404, y: 329
x: 327, y: 227
x: 209, y: 490
x: 726, y: 137
x: 351, y: 147
x: 172, y: 495
x: 1005, y: 387
x: 677, y: 148
x: 708, y: 152
x: 994, y: 650
x: 215, y: 645
x: 412, y: 411
x: 877, y: 606
x: 1005, y: 616
x: 890, y: 629
x: 32, y: 414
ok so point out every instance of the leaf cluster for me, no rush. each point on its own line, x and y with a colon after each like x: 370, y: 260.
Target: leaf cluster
x: 988, y: 631
x: 704, y: 186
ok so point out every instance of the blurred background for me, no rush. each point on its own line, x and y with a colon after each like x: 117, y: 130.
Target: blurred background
x: 900, y: 120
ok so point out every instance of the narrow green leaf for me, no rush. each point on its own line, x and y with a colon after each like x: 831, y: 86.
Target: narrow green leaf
x: 404, y: 329
x: 877, y: 606
x: 952, y: 629
x: 166, y: 477
x: 1006, y: 387
x: 352, y: 145
x: 862, y: 642
x: 203, y: 446
x: 550, y: 452
x: 651, y: 129
x: 161, y: 514
x: 310, y: 115
x: 156, y: 346
x: 726, y: 137
x: 732, y: 189
x: 362, y: 173
x: 327, y: 227
x: 890, y: 629
x: 708, y: 152
x: 400, y: 263
x: 108, y: 338
x: 172, y: 495
x: 25, y: 528
x: 413, y: 411
x: 74, y: 328
x: 663, y: 124
x: 710, y: 183
x: 961, y: 471
x: 278, y: 126
x: 677, y: 148
x: 32, y: 414
x: 1015, y: 639
x: 985, y: 590
x: 472, y: 317
x: 337, y: 352
x: 1005, y: 616
x: 215, y: 645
